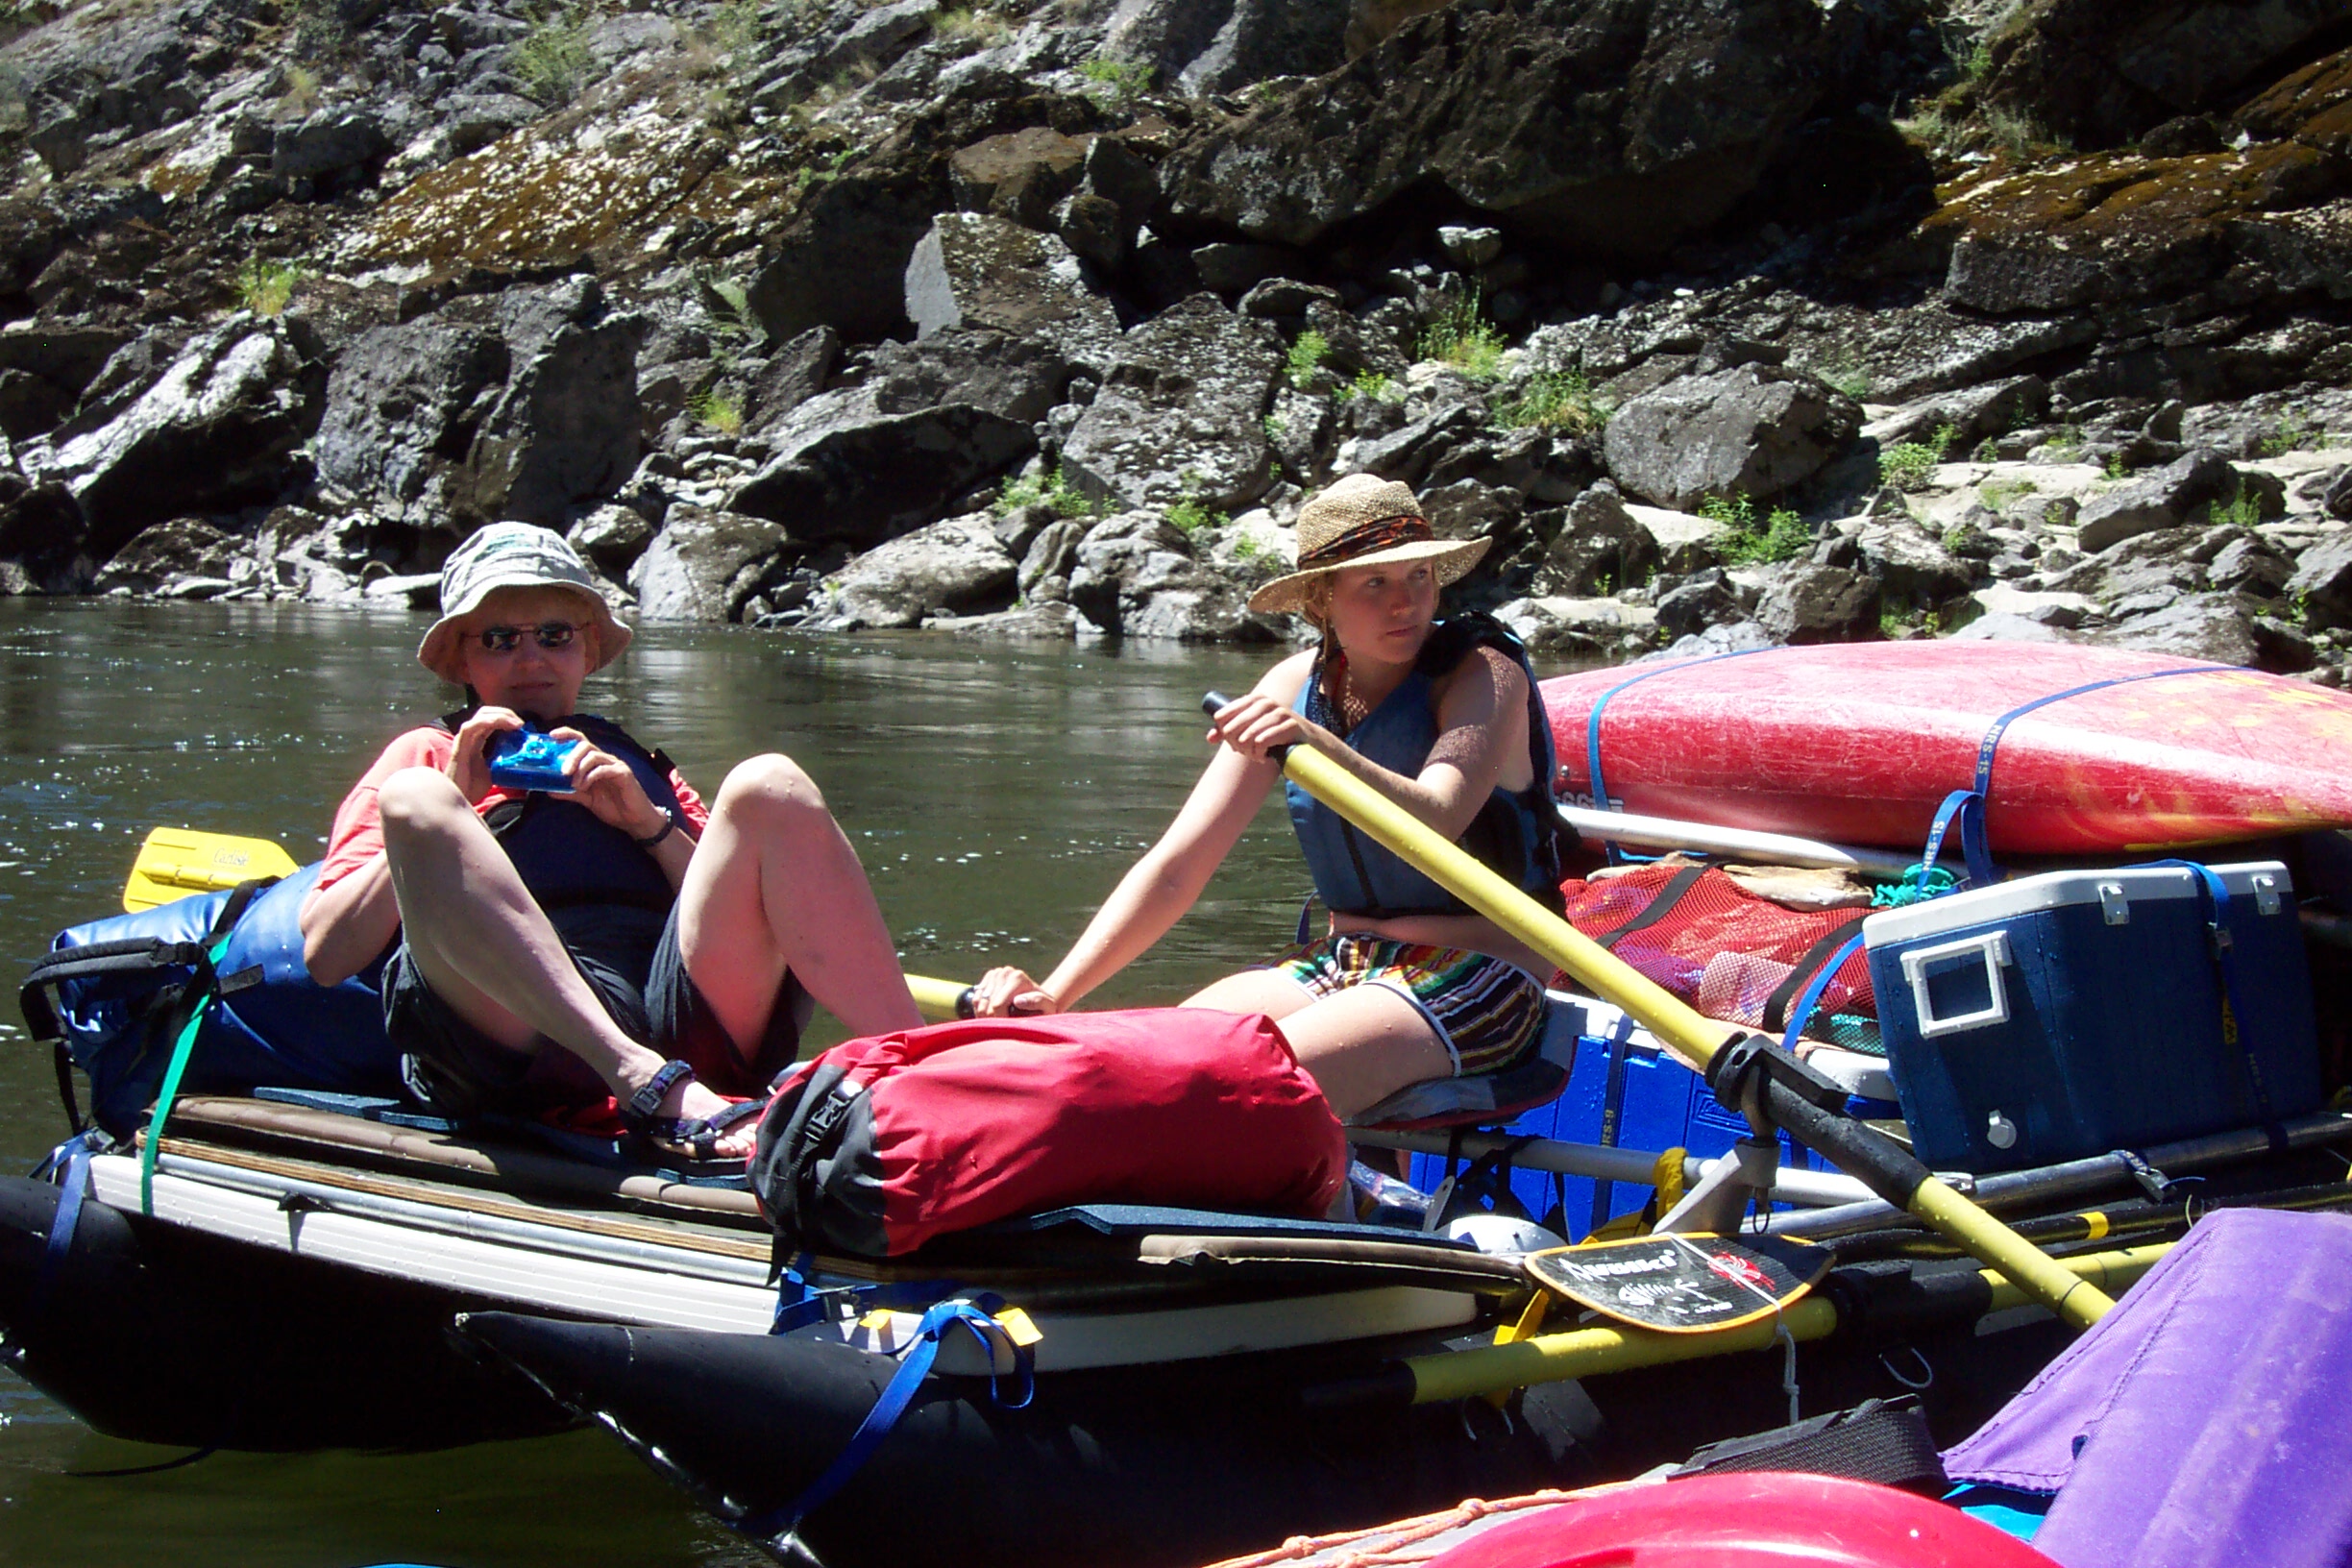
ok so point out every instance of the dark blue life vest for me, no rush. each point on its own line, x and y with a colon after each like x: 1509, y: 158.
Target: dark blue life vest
x: 565, y: 855
x: 1516, y: 832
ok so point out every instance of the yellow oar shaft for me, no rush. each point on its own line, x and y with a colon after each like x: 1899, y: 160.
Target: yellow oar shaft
x: 936, y: 998
x: 1591, y: 1351
x: 1690, y: 1034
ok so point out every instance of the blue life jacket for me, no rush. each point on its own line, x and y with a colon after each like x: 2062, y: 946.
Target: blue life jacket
x: 566, y: 856
x: 1516, y: 833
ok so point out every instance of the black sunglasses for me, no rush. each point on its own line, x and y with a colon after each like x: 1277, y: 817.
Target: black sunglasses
x: 549, y: 634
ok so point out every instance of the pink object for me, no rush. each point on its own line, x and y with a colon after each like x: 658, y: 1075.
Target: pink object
x: 1861, y: 742
x: 1755, y: 1519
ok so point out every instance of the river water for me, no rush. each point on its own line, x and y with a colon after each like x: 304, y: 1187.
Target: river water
x: 996, y: 792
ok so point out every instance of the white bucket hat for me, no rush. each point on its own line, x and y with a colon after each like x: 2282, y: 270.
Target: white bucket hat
x: 513, y: 555
x: 1363, y: 521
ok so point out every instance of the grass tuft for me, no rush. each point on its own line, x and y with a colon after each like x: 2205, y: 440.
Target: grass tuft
x: 1559, y: 399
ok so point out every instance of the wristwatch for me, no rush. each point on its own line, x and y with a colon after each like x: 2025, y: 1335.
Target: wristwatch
x: 670, y: 822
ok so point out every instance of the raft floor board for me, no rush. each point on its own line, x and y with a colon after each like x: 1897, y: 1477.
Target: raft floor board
x: 505, y: 1250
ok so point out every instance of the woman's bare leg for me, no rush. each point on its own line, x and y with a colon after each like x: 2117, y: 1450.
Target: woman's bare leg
x: 775, y: 886
x: 488, y: 950
x: 1360, y: 1046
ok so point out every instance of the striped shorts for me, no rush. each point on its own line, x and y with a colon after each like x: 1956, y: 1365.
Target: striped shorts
x: 1489, y: 1014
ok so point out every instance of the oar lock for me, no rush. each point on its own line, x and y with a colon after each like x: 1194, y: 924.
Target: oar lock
x: 1741, y: 1069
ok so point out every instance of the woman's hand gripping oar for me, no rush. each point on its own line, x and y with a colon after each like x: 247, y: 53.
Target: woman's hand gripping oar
x: 1738, y: 1066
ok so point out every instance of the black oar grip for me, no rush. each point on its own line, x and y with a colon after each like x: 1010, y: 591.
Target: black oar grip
x: 1215, y: 702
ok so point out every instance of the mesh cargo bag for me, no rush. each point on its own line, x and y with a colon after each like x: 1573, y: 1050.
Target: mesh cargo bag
x: 1728, y: 953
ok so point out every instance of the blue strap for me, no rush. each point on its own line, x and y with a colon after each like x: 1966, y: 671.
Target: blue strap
x: 2215, y: 893
x: 1810, y: 997
x: 1612, y: 1113
x: 1592, y: 727
x: 1986, y: 747
x: 1968, y: 805
x: 72, y: 1158
x: 797, y: 1302
x: 914, y: 1366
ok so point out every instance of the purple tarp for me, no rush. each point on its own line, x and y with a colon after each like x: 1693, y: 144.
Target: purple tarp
x: 2208, y: 1419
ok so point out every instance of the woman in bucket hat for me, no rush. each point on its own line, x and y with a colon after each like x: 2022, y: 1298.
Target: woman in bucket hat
x: 663, y: 945
x: 1406, y: 983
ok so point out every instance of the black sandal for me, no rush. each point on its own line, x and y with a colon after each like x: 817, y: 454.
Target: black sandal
x: 694, y: 1138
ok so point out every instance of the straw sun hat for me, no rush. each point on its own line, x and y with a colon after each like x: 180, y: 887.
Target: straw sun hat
x: 513, y: 555
x: 1363, y: 520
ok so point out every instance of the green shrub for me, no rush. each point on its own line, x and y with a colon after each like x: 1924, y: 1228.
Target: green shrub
x: 2245, y: 510
x: 266, y: 287
x: 1053, y: 490
x: 2289, y: 432
x: 2117, y: 470
x: 1190, y: 516
x: 1121, y: 82
x: 1849, y: 376
x: 1782, y: 537
x: 1307, y: 355
x: 1560, y: 400
x: 1910, y: 465
x: 1999, y: 494
x: 718, y: 408
x: 1462, y: 340
x: 553, y: 62
x: 1373, y: 386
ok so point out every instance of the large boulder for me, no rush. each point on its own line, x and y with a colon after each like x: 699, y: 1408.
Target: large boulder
x: 1598, y: 549
x: 523, y: 407
x: 844, y: 472
x: 215, y: 431
x: 44, y: 367
x: 1753, y: 429
x: 705, y: 564
x: 1610, y: 127
x: 841, y: 261
x: 402, y: 408
x: 1811, y: 603
x: 1016, y: 377
x: 957, y: 566
x: 1135, y: 576
x: 2096, y: 73
x: 2180, y: 493
x: 1182, y: 414
x: 184, y: 552
x: 1224, y: 45
x: 973, y: 270
x: 2225, y: 629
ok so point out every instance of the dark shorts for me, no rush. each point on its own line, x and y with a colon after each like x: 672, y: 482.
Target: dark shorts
x: 630, y: 958
x: 1488, y: 1013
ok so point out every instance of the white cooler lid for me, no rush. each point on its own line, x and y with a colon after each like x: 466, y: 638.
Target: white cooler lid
x: 2062, y: 890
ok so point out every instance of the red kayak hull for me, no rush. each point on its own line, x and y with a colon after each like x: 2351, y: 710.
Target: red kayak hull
x: 1859, y: 743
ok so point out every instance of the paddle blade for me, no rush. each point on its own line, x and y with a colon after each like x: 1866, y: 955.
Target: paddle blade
x: 176, y: 862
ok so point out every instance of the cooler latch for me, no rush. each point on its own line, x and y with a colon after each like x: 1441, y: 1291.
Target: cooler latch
x: 2266, y: 894
x: 2114, y: 907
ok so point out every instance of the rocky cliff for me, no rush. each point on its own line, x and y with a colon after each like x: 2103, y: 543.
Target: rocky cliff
x: 1729, y: 320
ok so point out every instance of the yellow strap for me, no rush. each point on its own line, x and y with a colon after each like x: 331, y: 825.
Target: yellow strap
x: 2098, y: 1225
x: 1666, y: 1175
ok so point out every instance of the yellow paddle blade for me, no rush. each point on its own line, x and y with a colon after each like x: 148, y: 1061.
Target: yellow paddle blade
x: 176, y: 862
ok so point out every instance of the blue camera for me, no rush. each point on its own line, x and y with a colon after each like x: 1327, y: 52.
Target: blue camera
x: 525, y: 759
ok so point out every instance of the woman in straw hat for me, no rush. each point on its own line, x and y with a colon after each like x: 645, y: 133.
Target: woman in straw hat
x: 1443, y: 718
x: 661, y: 946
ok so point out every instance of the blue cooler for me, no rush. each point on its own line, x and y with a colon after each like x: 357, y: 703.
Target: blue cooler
x: 2070, y: 1013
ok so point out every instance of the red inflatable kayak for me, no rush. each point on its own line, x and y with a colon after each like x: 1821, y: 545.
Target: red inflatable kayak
x: 1861, y: 742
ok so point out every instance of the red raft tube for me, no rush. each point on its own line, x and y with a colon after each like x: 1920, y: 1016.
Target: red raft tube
x: 2078, y: 749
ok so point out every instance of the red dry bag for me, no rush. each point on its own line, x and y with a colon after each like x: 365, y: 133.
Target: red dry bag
x: 882, y: 1143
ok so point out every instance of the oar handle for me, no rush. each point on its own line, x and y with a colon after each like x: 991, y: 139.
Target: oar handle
x: 1216, y: 702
